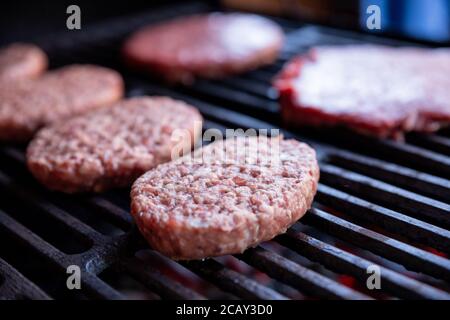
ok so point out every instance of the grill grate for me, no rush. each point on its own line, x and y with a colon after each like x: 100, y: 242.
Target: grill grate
x: 379, y: 202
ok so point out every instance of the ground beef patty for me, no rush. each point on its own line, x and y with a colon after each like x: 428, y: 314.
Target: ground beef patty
x: 21, y: 61
x: 225, y: 204
x: 113, y: 146
x: 211, y: 46
x: 375, y: 90
x: 29, y: 105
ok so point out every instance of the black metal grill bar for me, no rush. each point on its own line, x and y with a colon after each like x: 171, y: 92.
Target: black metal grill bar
x: 434, y: 162
x: 119, y: 254
x: 219, y: 92
x: 119, y: 215
x: 99, y: 289
x: 207, y: 124
x: 30, y: 238
x: 13, y: 285
x: 155, y: 281
x: 412, y: 258
x: 342, y: 261
x: 248, y: 85
x: 14, y: 153
x: 392, y: 173
x: 415, y: 204
x: 288, y: 25
x: 404, y: 154
x: 95, y: 287
x: 232, y: 281
x: 260, y: 77
x: 293, y: 274
x: 208, y: 110
x: 116, y: 213
x: 67, y: 220
x: 389, y: 220
x: 434, y: 142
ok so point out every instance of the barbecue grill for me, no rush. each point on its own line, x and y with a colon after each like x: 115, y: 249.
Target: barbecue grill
x: 381, y: 203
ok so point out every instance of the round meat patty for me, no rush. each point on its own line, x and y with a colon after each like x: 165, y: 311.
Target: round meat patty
x: 21, y: 61
x: 28, y: 105
x: 226, y: 202
x: 113, y: 146
x: 210, y: 46
x: 375, y: 90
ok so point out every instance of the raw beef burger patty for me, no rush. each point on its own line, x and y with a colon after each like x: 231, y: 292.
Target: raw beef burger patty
x: 29, y: 105
x: 375, y: 90
x: 210, y: 46
x: 21, y: 61
x: 193, y: 210
x: 110, y: 147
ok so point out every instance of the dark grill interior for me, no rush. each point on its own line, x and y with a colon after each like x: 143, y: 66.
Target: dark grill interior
x: 379, y: 202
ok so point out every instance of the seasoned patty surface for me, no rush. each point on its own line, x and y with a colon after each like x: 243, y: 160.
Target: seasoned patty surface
x: 227, y: 202
x: 111, y: 147
x: 29, y: 105
x: 211, y: 45
x: 376, y: 90
x: 21, y: 61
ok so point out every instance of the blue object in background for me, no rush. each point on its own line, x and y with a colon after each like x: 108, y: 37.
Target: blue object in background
x: 385, y: 14
x: 420, y: 19
x: 428, y: 19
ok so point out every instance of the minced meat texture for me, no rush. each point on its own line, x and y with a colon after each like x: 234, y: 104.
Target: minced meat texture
x: 230, y: 196
x: 113, y: 146
x: 29, y: 105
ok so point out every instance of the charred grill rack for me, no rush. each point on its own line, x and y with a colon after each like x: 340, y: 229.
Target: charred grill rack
x: 379, y: 202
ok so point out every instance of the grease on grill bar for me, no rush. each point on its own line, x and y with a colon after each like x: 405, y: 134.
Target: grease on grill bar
x: 379, y: 202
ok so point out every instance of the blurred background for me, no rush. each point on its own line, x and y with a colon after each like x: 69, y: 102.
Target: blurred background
x: 425, y: 20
